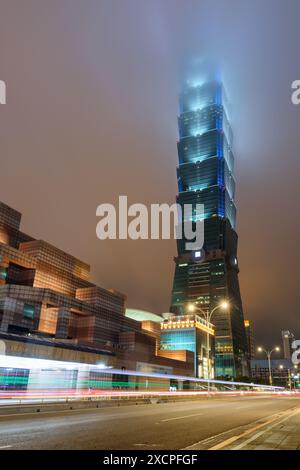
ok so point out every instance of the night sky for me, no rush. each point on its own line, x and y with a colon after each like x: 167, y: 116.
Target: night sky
x: 92, y: 104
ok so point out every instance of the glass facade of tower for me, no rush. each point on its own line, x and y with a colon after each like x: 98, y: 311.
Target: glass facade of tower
x: 205, y: 176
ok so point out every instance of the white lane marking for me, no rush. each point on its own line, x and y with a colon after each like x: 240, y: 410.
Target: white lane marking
x: 228, y: 441
x: 258, y: 434
x: 211, y: 438
x: 5, y: 447
x: 92, y: 409
x: 224, y: 433
x: 205, y: 405
x: 180, y: 417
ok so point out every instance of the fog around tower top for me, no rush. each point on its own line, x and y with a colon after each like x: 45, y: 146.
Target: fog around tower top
x: 91, y: 113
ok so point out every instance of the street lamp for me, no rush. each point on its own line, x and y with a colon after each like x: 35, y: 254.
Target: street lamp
x: 269, y: 353
x: 224, y: 305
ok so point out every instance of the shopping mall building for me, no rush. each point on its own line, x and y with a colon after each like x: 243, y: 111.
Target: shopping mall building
x: 50, y: 310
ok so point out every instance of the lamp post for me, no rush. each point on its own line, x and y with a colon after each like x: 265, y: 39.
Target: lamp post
x: 269, y: 353
x: 192, y: 308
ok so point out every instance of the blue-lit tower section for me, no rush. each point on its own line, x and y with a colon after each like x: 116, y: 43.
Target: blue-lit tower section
x: 205, y: 176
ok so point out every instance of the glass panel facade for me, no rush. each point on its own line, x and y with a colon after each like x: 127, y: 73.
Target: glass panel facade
x: 3, y: 274
x: 13, y: 379
x: 28, y: 311
x: 205, y: 176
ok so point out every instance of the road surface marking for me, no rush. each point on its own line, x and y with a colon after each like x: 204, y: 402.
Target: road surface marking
x: 258, y: 434
x: 5, y: 447
x: 211, y: 438
x: 228, y: 441
x: 224, y: 433
x: 180, y: 417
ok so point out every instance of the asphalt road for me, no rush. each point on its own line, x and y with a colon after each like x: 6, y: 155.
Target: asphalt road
x: 199, y: 424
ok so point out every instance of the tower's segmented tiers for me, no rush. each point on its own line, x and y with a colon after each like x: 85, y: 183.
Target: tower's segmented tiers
x: 205, y: 176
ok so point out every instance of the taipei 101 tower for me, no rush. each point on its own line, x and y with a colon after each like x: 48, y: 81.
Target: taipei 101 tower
x: 206, y: 277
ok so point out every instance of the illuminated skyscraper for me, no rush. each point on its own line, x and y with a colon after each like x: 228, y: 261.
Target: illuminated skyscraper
x: 205, y: 176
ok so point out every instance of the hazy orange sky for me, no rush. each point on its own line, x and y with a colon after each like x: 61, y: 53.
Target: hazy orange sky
x: 91, y: 113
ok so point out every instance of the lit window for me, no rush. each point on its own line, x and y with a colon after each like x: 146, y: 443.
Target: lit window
x: 28, y: 311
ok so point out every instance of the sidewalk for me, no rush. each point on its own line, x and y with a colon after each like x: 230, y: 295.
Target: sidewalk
x: 279, y: 431
x: 283, y: 436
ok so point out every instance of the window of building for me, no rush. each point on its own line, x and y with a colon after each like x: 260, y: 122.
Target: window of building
x: 3, y: 274
x: 28, y: 311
